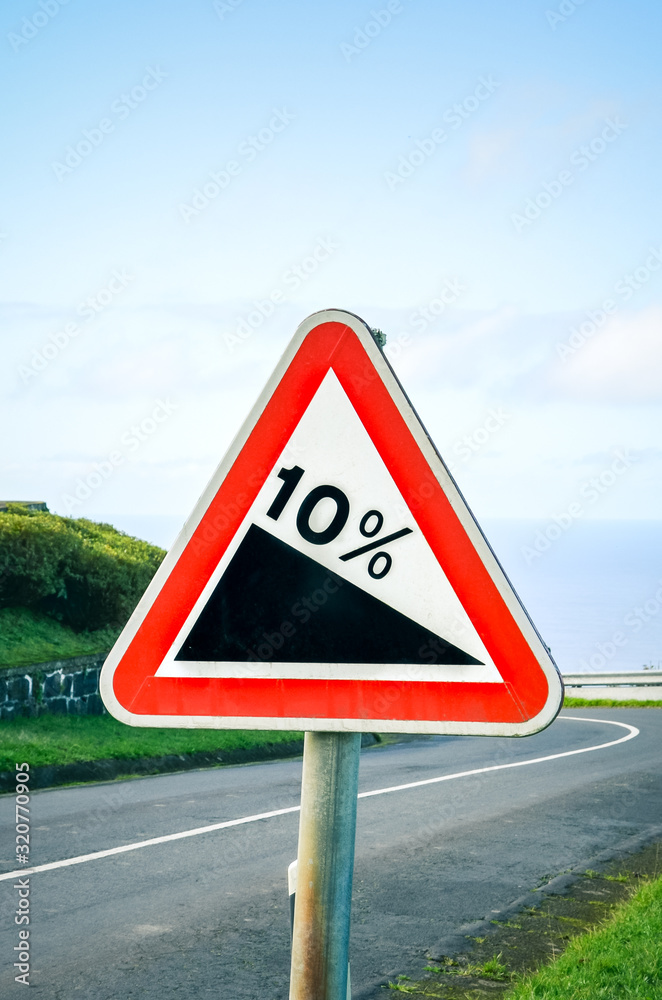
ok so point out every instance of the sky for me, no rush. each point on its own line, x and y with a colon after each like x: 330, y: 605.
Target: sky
x: 480, y: 180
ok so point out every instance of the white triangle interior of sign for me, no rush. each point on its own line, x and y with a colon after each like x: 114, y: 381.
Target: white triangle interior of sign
x: 331, y: 448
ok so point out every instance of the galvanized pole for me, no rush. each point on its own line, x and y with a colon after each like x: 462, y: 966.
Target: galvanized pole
x: 292, y: 891
x: 327, y: 828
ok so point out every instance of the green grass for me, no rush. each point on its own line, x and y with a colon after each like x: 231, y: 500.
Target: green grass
x: 28, y: 637
x: 622, y: 959
x: 58, y: 739
x: 493, y: 969
x: 609, y: 703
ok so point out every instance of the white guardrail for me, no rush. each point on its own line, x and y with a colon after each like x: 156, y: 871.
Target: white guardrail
x: 644, y: 678
x: 644, y: 685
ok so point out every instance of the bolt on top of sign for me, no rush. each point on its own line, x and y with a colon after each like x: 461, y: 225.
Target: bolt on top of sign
x: 331, y: 576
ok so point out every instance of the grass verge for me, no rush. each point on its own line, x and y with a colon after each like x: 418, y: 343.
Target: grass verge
x: 61, y: 739
x: 601, y: 939
x: 621, y: 959
x: 609, y: 703
x: 28, y: 637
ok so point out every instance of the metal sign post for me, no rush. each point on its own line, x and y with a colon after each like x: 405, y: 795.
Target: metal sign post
x: 327, y: 829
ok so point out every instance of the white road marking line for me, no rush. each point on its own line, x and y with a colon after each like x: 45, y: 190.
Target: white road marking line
x: 67, y: 862
x: 148, y: 843
x: 518, y: 763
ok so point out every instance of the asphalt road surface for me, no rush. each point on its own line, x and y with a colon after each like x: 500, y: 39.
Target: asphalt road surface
x: 206, y: 915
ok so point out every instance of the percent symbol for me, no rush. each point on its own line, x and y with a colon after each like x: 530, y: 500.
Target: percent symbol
x: 388, y: 562
x: 291, y: 478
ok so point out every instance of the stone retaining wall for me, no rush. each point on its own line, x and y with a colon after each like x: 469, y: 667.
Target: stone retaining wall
x: 63, y: 687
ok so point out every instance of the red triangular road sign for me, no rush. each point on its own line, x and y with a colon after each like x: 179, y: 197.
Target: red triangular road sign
x: 332, y: 577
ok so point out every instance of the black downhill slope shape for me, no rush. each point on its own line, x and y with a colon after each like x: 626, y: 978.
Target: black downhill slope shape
x: 278, y: 605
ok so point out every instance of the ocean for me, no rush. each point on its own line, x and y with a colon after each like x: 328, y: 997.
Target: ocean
x: 595, y: 594
x: 592, y: 589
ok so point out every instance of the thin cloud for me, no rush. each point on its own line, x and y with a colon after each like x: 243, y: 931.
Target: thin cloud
x: 622, y: 363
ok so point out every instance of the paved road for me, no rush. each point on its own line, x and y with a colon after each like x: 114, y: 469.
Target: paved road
x: 207, y: 915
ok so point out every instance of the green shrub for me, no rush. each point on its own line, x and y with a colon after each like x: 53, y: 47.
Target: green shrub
x: 85, y: 574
